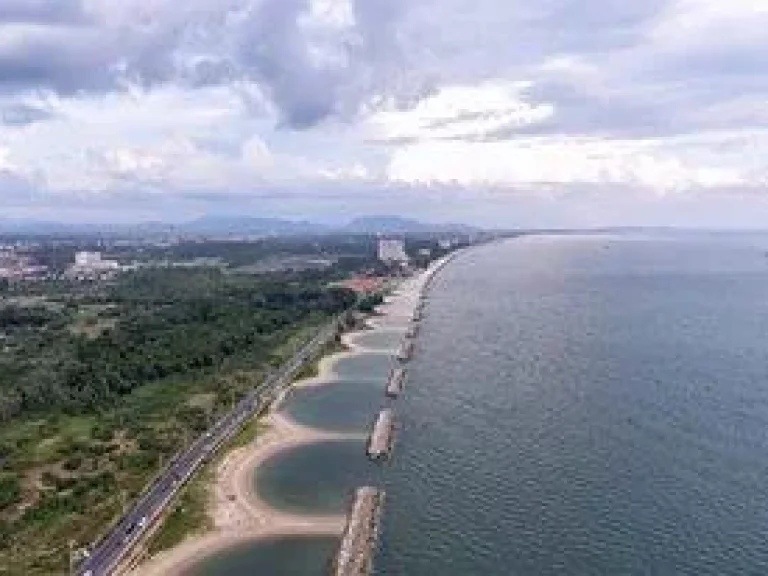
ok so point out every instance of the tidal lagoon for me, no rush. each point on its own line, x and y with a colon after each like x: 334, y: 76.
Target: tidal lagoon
x: 294, y: 556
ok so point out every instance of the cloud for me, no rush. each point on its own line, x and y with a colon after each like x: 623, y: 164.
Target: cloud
x: 314, y: 58
x: 23, y: 114
x: 318, y: 58
x: 14, y: 187
x: 280, y: 97
x: 42, y: 11
x: 102, y: 45
x: 555, y: 161
x: 478, y: 112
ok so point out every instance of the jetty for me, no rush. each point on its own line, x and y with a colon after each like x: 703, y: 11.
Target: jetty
x: 406, y: 351
x: 382, y: 435
x: 358, y: 542
x: 395, y: 382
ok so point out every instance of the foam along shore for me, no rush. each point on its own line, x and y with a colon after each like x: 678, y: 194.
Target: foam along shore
x: 239, y: 515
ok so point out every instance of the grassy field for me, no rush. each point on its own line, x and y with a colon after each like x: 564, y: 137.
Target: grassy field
x: 73, y: 475
x: 188, y: 516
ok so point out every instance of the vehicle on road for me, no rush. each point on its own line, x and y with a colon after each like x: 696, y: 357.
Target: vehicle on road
x: 129, y: 532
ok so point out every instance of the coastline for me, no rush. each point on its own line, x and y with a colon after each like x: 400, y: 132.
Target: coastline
x: 238, y: 514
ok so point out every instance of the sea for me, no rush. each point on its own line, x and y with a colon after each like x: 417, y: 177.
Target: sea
x: 576, y: 405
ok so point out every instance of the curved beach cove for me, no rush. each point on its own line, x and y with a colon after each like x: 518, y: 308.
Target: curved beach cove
x: 278, y: 505
x: 340, y: 406
x: 317, y: 478
x: 297, y: 556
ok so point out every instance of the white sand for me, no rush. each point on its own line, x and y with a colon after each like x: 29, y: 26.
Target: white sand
x: 238, y: 514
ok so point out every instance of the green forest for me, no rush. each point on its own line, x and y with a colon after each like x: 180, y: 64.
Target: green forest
x: 100, y: 384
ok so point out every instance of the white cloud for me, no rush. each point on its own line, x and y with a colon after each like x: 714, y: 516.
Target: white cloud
x: 345, y: 174
x: 548, y: 160
x: 5, y: 160
x: 243, y: 95
x: 462, y: 112
x: 711, y: 22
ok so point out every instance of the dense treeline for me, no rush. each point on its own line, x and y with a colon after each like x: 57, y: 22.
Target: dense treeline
x: 166, y: 322
x: 26, y: 317
x: 237, y: 253
x: 102, y: 382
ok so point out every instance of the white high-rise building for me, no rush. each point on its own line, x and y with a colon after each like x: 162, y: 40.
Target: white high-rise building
x: 88, y: 259
x: 392, y: 250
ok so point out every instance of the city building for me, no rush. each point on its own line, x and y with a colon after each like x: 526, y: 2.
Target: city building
x: 17, y: 266
x: 392, y: 251
x: 88, y: 259
x: 90, y: 266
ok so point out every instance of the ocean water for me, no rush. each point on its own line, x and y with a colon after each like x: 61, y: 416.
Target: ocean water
x: 576, y: 406
x: 370, y: 366
x: 294, y: 556
x: 587, y: 405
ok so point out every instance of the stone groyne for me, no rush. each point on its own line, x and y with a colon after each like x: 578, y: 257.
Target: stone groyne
x: 355, y: 554
x: 395, y: 382
x: 382, y: 435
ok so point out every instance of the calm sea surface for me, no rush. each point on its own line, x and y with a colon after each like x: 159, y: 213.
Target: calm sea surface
x: 292, y: 556
x: 575, y: 406
x: 587, y: 406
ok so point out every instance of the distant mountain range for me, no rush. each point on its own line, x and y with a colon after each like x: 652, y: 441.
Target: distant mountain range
x: 232, y: 226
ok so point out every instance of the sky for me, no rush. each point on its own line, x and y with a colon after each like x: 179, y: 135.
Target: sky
x: 493, y: 112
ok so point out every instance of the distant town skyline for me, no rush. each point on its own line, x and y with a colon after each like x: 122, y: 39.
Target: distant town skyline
x: 490, y: 112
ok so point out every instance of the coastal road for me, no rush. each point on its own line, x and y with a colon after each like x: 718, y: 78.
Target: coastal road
x: 130, y: 529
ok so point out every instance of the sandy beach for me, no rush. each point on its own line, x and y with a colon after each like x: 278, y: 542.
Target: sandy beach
x: 237, y: 512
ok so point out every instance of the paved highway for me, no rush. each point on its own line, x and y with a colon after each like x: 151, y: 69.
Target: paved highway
x: 116, y: 544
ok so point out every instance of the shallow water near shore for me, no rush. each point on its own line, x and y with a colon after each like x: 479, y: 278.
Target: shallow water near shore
x: 318, y: 478
x: 294, y: 556
x: 343, y: 406
x: 363, y: 366
x: 383, y: 340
